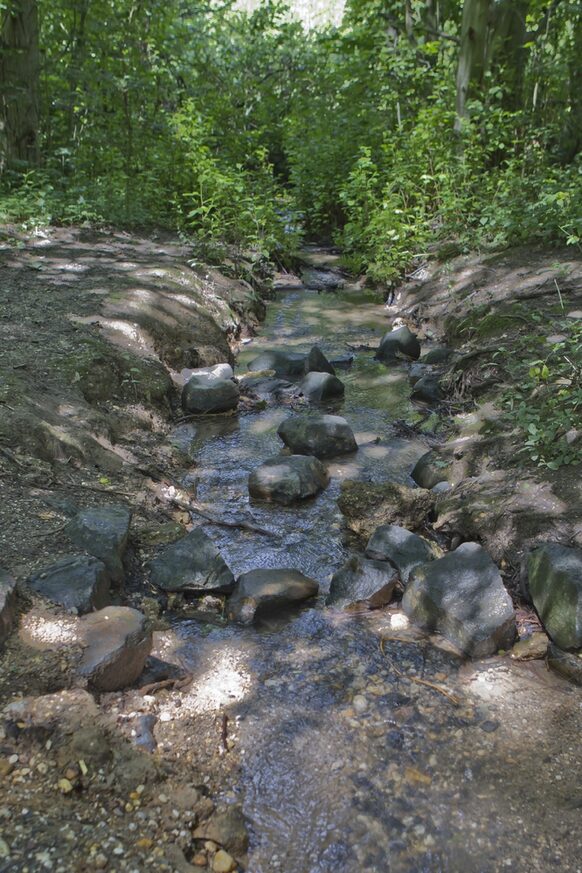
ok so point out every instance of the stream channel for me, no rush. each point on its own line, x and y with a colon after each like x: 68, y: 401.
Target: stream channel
x: 349, y: 763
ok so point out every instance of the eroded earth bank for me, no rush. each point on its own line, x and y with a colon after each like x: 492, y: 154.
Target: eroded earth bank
x: 280, y: 590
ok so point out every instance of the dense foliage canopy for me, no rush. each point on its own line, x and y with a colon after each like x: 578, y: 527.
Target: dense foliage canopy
x: 411, y: 122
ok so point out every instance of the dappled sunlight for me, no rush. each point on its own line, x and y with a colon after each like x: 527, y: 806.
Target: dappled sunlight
x: 41, y: 630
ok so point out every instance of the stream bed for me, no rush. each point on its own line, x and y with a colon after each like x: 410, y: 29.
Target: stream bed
x: 365, y: 745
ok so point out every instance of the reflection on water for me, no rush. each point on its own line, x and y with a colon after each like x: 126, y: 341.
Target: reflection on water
x: 365, y: 746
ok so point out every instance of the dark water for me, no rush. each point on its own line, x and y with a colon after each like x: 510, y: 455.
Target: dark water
x: 350, y: 761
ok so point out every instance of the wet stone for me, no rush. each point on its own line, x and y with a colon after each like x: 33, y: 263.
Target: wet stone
x: 7, y: 604
x: 285, y: 479
x: 321, y: 386
x: 398, y: 342
x: 362, y: 581
x: 321, y: 435
x: 209, y: 394
x: 316, y: 362
x: 283, y: 363
x: 427, y: 390
x: 403, y: 549
x: 103, y: 532
x: 116, y: 641
x: 437, y: 355
x: 78, y: 583
x: 268, y: 591
x: 193, y: 563
x: 555, y: 585
x: 462, y: 597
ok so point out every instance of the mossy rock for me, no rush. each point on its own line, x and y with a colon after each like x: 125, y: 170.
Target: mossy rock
x: 366, y: 506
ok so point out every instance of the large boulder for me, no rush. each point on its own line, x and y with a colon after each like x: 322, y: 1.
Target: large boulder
x: 268, y: 590
x: 209, y: 394
x: 285, y: 479
x: 555, y: 584
x: 395, y: 343
x: 321, y: 386
x: 7, y: 604
x: 402, y: 549
x: 321, y: 435
x: 316, y: 362
x: 462, y: 597
x: 78, y: 583
x: 193, y: 563
x: 103, y: 531
x: 282, y: 362
x: 362, y: 582
x: 117, y: 641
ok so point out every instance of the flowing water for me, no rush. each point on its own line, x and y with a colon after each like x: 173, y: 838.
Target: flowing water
x: 365, y: 745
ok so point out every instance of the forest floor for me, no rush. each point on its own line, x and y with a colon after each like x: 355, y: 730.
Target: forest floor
x: 95, y: 329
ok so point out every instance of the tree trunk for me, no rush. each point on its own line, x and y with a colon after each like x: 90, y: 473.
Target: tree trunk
x: 474, y: 52
x: 19, y: 85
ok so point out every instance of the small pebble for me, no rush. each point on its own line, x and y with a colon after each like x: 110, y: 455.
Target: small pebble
x: 360, y: 703
x: 489, y: 726
x: 100, y: 861
x: 223, y: 862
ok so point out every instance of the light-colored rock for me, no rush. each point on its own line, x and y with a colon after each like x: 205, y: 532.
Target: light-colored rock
x: 193, y: 563
x: 285, y: 479
x: 462, y: 597
x: 267, y: 590
x: 318, y: 387
x: 555, y: 584
x: 117, y: 641
x: 223, y: 862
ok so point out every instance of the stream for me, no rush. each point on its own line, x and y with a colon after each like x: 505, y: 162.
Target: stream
x: 367, y: 746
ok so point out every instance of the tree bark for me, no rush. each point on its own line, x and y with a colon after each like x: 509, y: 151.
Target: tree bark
x: 19, y: 85
x: 473, y: 53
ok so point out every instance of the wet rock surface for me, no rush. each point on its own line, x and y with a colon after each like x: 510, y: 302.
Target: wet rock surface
x: 268, y: 590
x: 193, y: 563
x: 555, y: 584
x: 285, y: 479
x: 209, y: 394
x: 364, y: 582
x: 462, y: 596
x: 103, y: 532
x: 281, y: 362
x: 398, y: 342
x: 323, y: 436
x: 400, y: 547
x: 321, y: 386
x: 78, y: 583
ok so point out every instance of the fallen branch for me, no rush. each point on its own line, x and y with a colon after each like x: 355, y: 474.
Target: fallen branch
x: 176, y: 684
x: 445, y: 692
x: 242, y: 525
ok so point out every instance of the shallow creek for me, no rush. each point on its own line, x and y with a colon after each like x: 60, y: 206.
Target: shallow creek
x: 351, y: 759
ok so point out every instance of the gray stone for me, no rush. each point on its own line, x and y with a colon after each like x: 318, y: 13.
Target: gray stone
x: 362, y: 581
x: 441, y: 488
x: 321, y: 435
x: 402, y: 549
x: 79, y: 583
x: 427, y: 390
x: 321, y: 386
x: 316, y: 362
x: 437, y: 355
x: 285, y: 479
x: 207, y: 394
x: 117, y: 641
x: 266, y: 386
x: 219, y: 371
x: 103, y: 531
x: 282, y: 362
x: 268, y: 590
x: 555, y: 585
x: 8, y: 606
x: 430, y: 469
x: 567, y: 664
x: 462, y: 597
x: 417, y: 371
x: 398, y: 342
x: 191, y: 564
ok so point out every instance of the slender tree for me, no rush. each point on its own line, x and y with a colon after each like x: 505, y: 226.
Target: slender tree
x: 19, y: 84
